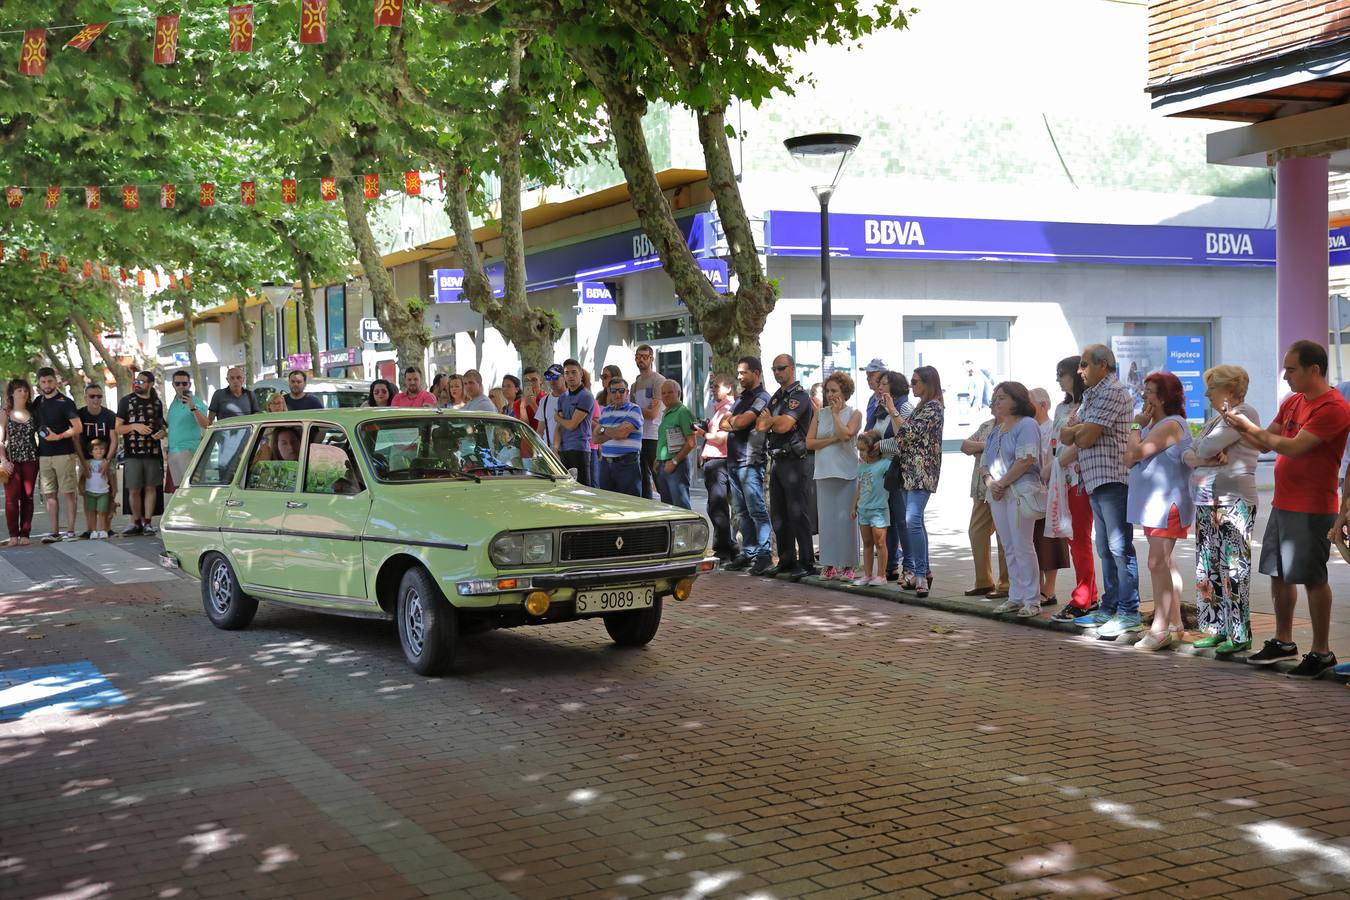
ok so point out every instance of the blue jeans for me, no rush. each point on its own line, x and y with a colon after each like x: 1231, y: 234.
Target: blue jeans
x: 895, y: 535
x: 674, y: 486
x: 752, y: 516
x: 621, y: 474
x: 1115, y: 547
x: 916, y: 533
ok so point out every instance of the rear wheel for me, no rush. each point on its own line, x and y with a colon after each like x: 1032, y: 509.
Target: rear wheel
x: 427, y: 624
x: 226, y: 604
x: 634, y: 629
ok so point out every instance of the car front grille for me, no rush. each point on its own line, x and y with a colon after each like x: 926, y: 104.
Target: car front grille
x: 615, y: 543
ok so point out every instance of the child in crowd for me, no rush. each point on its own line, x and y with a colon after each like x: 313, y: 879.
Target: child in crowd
x: 871, y: 509
x: 99, y: 488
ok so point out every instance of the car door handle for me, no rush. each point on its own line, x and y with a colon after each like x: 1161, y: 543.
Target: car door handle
x: 295, y: 504
x: 234, y: 503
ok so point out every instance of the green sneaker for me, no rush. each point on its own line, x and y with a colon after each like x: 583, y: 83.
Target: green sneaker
x: 1210, y: 641
x: 1229, y: 647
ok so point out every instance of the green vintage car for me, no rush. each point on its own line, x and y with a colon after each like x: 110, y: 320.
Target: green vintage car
x: 447, y: 522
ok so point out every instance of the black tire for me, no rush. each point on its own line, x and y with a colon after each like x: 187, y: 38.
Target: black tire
x: 428, y: 626
x: 226, y: 604
x: 634, y: 629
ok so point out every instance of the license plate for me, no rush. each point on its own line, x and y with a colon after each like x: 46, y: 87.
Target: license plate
x: 614, y: 599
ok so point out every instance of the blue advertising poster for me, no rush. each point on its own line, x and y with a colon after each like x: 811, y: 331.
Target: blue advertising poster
x: 1186, y: 360
x: 448, y: 284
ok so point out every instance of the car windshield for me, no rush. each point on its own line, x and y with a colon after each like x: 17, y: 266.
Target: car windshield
x: 455, y: 447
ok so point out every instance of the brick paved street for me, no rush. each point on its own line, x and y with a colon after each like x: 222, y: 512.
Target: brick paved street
x: 775, y: 740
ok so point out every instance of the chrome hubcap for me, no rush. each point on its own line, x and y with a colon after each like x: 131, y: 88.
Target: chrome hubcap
x: 221, y: 588
x: 414, y: 621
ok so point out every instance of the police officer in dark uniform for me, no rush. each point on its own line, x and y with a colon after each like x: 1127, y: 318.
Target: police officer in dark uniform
x: 786, y: 422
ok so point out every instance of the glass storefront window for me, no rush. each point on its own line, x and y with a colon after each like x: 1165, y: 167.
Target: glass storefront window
x: 971, y: 356
x: 806, y: 348
x: 661, y: 329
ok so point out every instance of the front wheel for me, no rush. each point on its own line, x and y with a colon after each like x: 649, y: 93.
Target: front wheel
x: 427, y: 624
x: 226, y: 604
x: 634, y: 629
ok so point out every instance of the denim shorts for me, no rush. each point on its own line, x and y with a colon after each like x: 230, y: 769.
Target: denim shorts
x: 875, y: 518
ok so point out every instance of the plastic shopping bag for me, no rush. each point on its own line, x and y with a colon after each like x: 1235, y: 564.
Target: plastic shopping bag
x: 1058, y: 522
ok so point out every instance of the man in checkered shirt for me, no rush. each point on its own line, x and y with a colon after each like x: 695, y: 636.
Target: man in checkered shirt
x: 1100, y: 430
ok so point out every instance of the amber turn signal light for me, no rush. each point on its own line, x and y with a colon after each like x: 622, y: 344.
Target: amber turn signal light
x: 683, y: 588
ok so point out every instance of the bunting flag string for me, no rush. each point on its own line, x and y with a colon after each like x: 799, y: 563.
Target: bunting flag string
x: 92, y: 269
x: 239, y: 22
x: 410, y: 181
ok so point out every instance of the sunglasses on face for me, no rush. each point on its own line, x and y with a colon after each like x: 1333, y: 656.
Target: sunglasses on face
x: 94, y: 396
x: 618, y: 390
x: 781, y: 368
x: 180, y: 384
x: 137, y: 381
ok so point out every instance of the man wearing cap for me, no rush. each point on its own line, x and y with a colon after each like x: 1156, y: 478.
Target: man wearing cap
x: 876, y: 381
x: 550, y: 403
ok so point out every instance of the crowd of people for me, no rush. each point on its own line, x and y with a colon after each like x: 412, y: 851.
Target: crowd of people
x: 1050, y: 481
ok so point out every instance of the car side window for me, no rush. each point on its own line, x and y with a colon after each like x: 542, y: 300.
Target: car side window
x: 275, y: 463
x: 220, y: 460
x: 330, y: 467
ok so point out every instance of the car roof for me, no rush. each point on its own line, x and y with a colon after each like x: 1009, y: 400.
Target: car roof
x: 354, y: 414
x: 341, y: 384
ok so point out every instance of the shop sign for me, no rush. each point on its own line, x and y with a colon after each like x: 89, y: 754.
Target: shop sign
x: 596, y: 297
x: 448, y: 284
x: 297, y: 361
x: 179, y: 359
x: 1338, y: 247
x: 372, y: 332
x: 794, y: 233
x: 333, y: 359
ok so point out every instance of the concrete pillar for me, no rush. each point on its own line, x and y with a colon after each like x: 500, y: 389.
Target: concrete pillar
x: 1301, y: 250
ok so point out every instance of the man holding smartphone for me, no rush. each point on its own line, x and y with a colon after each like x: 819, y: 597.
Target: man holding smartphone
x: 187, y: 416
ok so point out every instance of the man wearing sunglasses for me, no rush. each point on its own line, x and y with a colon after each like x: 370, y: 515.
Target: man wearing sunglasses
x: 96, y: 421
x: 187, y: 416
x: 619, y: 436
x: 141, y: 426
x: 58, y: 473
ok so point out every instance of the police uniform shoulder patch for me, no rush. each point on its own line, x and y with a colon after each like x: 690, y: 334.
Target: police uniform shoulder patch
x: 793, y: 404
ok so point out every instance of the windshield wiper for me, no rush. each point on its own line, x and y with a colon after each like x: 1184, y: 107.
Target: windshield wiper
x: 510, y: 468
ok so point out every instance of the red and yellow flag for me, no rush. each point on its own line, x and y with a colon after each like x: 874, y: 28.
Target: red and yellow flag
x: 131, y: 198
x: 42, y: 260
x: 140, y: 278
x: 33, y: 53
x: 23, y: 254
x: 84, y: 38
x: 63, y: 265
x: 93, y: 197
x: 289, y: 190
x: 122, y: 274
x: 2, y: 251
x: 328, y: 188
x: 388, y: 13
x: 104, y: 273
x: 88, y: 269
x: 206, y: 194
x: 166, y: 40
x: 241, y: 28
x: 14, y: 197
x: 313, y: 21
x: 372, y: 187
x: 187, y: 282
x: 248, y: 192
x: 168, y: 196
x: 173, y: 280
x: 53, y: 196
x: 412, y: 183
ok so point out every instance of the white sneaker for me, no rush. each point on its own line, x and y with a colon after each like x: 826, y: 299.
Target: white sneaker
x: 70, y: 536
x: 101, y: 535
x: 861, y: 581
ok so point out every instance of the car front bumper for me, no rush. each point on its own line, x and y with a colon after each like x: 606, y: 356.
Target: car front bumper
x: 588, y: 576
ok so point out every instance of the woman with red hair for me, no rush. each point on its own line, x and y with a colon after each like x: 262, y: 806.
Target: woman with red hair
x: 1160, y: 497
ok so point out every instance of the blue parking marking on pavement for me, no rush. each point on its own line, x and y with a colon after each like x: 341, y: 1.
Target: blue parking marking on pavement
x: 68, y: 687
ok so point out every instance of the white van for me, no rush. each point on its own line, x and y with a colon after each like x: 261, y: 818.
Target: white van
x: 334, y: 393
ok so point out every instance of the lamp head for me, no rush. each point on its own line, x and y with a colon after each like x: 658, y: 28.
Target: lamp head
x: 823, y: 156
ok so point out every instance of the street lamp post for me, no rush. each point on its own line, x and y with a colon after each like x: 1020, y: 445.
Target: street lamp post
x: 278, y: 292
x: 824, y: 157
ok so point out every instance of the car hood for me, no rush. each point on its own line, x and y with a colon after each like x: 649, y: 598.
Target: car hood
x: 468, y: 513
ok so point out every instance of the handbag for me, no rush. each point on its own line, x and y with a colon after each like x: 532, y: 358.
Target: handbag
x: 1030, y: 498
x: 1058, y: 521
x: 894, y: 479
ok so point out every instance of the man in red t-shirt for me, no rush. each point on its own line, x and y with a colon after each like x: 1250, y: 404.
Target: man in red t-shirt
x: 1309, y: 435
x: 412, y: 393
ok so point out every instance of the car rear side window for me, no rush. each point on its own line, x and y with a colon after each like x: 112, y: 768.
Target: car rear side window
x: 329, y: 465
x: 275, y: 463
x: 220, y: 460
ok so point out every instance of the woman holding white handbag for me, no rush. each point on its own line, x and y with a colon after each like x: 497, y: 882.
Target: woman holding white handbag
x: 1011, y: 471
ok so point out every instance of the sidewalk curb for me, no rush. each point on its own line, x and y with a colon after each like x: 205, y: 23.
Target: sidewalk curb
x: 985, y: 610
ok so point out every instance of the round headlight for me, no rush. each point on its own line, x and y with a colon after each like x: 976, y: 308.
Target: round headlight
x: 507, y: 549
